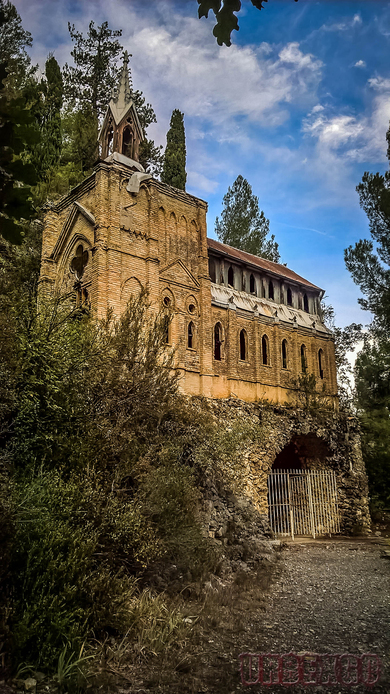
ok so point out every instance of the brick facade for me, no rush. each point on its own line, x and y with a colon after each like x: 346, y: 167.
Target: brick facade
x: 155, y: 237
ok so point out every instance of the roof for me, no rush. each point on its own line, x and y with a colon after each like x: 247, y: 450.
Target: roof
x: 267, y: 265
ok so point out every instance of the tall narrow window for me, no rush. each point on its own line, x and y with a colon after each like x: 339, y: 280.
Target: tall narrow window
x: 218, y: 342
x: 127, y: 142
x: 242, y: 345
x: 289, y: 297
x: 303, y: 359
x: 321, y: 363
x: 212, y: 270
x: 265, y: 350
x: 284, y: 354
x: 190, y: 335
x: 271, y: 290
x: 305, y: 303
x: 167, y: 329
x: 252, y: 285
x: 231, y: 276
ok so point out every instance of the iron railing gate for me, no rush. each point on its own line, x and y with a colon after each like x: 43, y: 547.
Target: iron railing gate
x: 303, y: 502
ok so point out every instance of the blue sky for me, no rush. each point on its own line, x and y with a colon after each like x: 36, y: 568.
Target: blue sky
x: 299, y: 105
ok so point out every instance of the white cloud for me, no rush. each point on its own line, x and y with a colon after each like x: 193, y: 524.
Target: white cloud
x: 360, y: 63
x: 343, y: 26
x: 198, y: 181
x: 351, y: 137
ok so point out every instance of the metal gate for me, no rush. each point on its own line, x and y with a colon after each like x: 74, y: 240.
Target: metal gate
x: 303, y: 502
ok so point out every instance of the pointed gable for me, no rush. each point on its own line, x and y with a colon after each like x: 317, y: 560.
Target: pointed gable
x: 121, y: 130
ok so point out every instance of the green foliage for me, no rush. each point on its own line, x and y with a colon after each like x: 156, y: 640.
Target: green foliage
x: 92, y: 78
x: 224, y: 14
x: 369, y: 260
x: 174, y: 167
x: 345, y: 341
x: 307, y: 395
x: 17, y: 175
x: 243, y: 225
x: 46, y: 154
x: 13, y: 43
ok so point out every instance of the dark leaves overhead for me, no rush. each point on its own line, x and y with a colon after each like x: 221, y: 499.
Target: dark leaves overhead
x: 224, y: 13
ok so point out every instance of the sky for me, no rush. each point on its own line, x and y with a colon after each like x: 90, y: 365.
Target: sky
x: 299, y: 105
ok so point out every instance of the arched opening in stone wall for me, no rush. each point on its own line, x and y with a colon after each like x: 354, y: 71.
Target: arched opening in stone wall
x: 304, y: 452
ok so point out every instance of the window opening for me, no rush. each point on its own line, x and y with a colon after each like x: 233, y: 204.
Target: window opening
x: 217, y: 342
x: 271, y: 290
x: 191, y: 308
x: 289, y: 297
x: 305, y: 303
x: 303, y: 359
x: 321, y: 363
x: 242, y: 345
x: 284, y: 354
x: 264, y: 349
x: 167, y: 301
x: 252, y: 285
x: 212, y: 270
x: 127, y: 142
x: 79, y: 262
x: 190, y: 336
x: 231, y: 276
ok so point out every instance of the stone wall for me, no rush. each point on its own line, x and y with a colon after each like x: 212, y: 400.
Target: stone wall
x: 316, y: 441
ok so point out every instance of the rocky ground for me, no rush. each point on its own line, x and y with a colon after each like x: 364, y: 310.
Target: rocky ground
x: 328, y: 596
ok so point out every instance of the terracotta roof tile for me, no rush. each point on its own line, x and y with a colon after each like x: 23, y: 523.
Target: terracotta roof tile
x: 267, y: 265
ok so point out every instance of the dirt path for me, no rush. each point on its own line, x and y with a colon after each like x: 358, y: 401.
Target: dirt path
x: 325, y: 597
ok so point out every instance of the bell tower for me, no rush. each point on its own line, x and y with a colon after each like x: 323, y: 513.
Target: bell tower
x: 121, y: 130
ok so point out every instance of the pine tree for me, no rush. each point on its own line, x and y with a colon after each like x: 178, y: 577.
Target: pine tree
x: 243, y: 225
x: 174, y: 166
x: 13, y: 43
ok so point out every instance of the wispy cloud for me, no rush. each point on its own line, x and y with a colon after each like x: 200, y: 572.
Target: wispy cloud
x: 360, y: 63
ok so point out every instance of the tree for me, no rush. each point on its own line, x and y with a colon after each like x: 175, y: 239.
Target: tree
x: 369, y: 260
x: 174, y: 167
x: 13, y: 42
x: 88, y: 87
x: 369, y: 264
x: 47, y: 154
x: 18, y: 133
x: 243, y: 225
x: 224, y: 14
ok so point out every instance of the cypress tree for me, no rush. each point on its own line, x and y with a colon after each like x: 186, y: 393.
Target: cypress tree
x: 174, y: 166
x: 46, y: 157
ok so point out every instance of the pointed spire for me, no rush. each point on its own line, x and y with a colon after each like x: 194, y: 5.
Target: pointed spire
x: 122, y: 95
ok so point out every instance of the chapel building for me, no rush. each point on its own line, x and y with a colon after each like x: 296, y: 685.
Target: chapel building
x: 242, y: 326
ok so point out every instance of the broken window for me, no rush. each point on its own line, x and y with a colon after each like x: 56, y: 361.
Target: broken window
x: 289, y: 297
x: 79, y: 262
x: 284, y: 354
x: 190, y: 335
x: 271, y: 290
x: 243, y: 340
x: 321, y: 363
x: 265, y: 350
x: 231, y: 276
x: 218, y: 342
x: 252, y: 285
x: 303, y: 359
x: 305, y: 303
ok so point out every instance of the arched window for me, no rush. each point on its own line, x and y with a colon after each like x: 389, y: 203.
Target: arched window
x: 231, y: 276
x: 127, y: 142
x: 243, y: 341
x: 190, y: 335
x: 321, y: 363
x: 271, y: 290
x: 289, y: 297
x: 265, y: 350
x: 212, y: 270
x: 252, y: 285
x: 303, y: 359
x: 305, y: 303
x: 218, y: 342
x: 284, y: 354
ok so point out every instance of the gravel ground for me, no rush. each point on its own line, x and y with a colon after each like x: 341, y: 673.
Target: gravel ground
x: 330, y: 597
